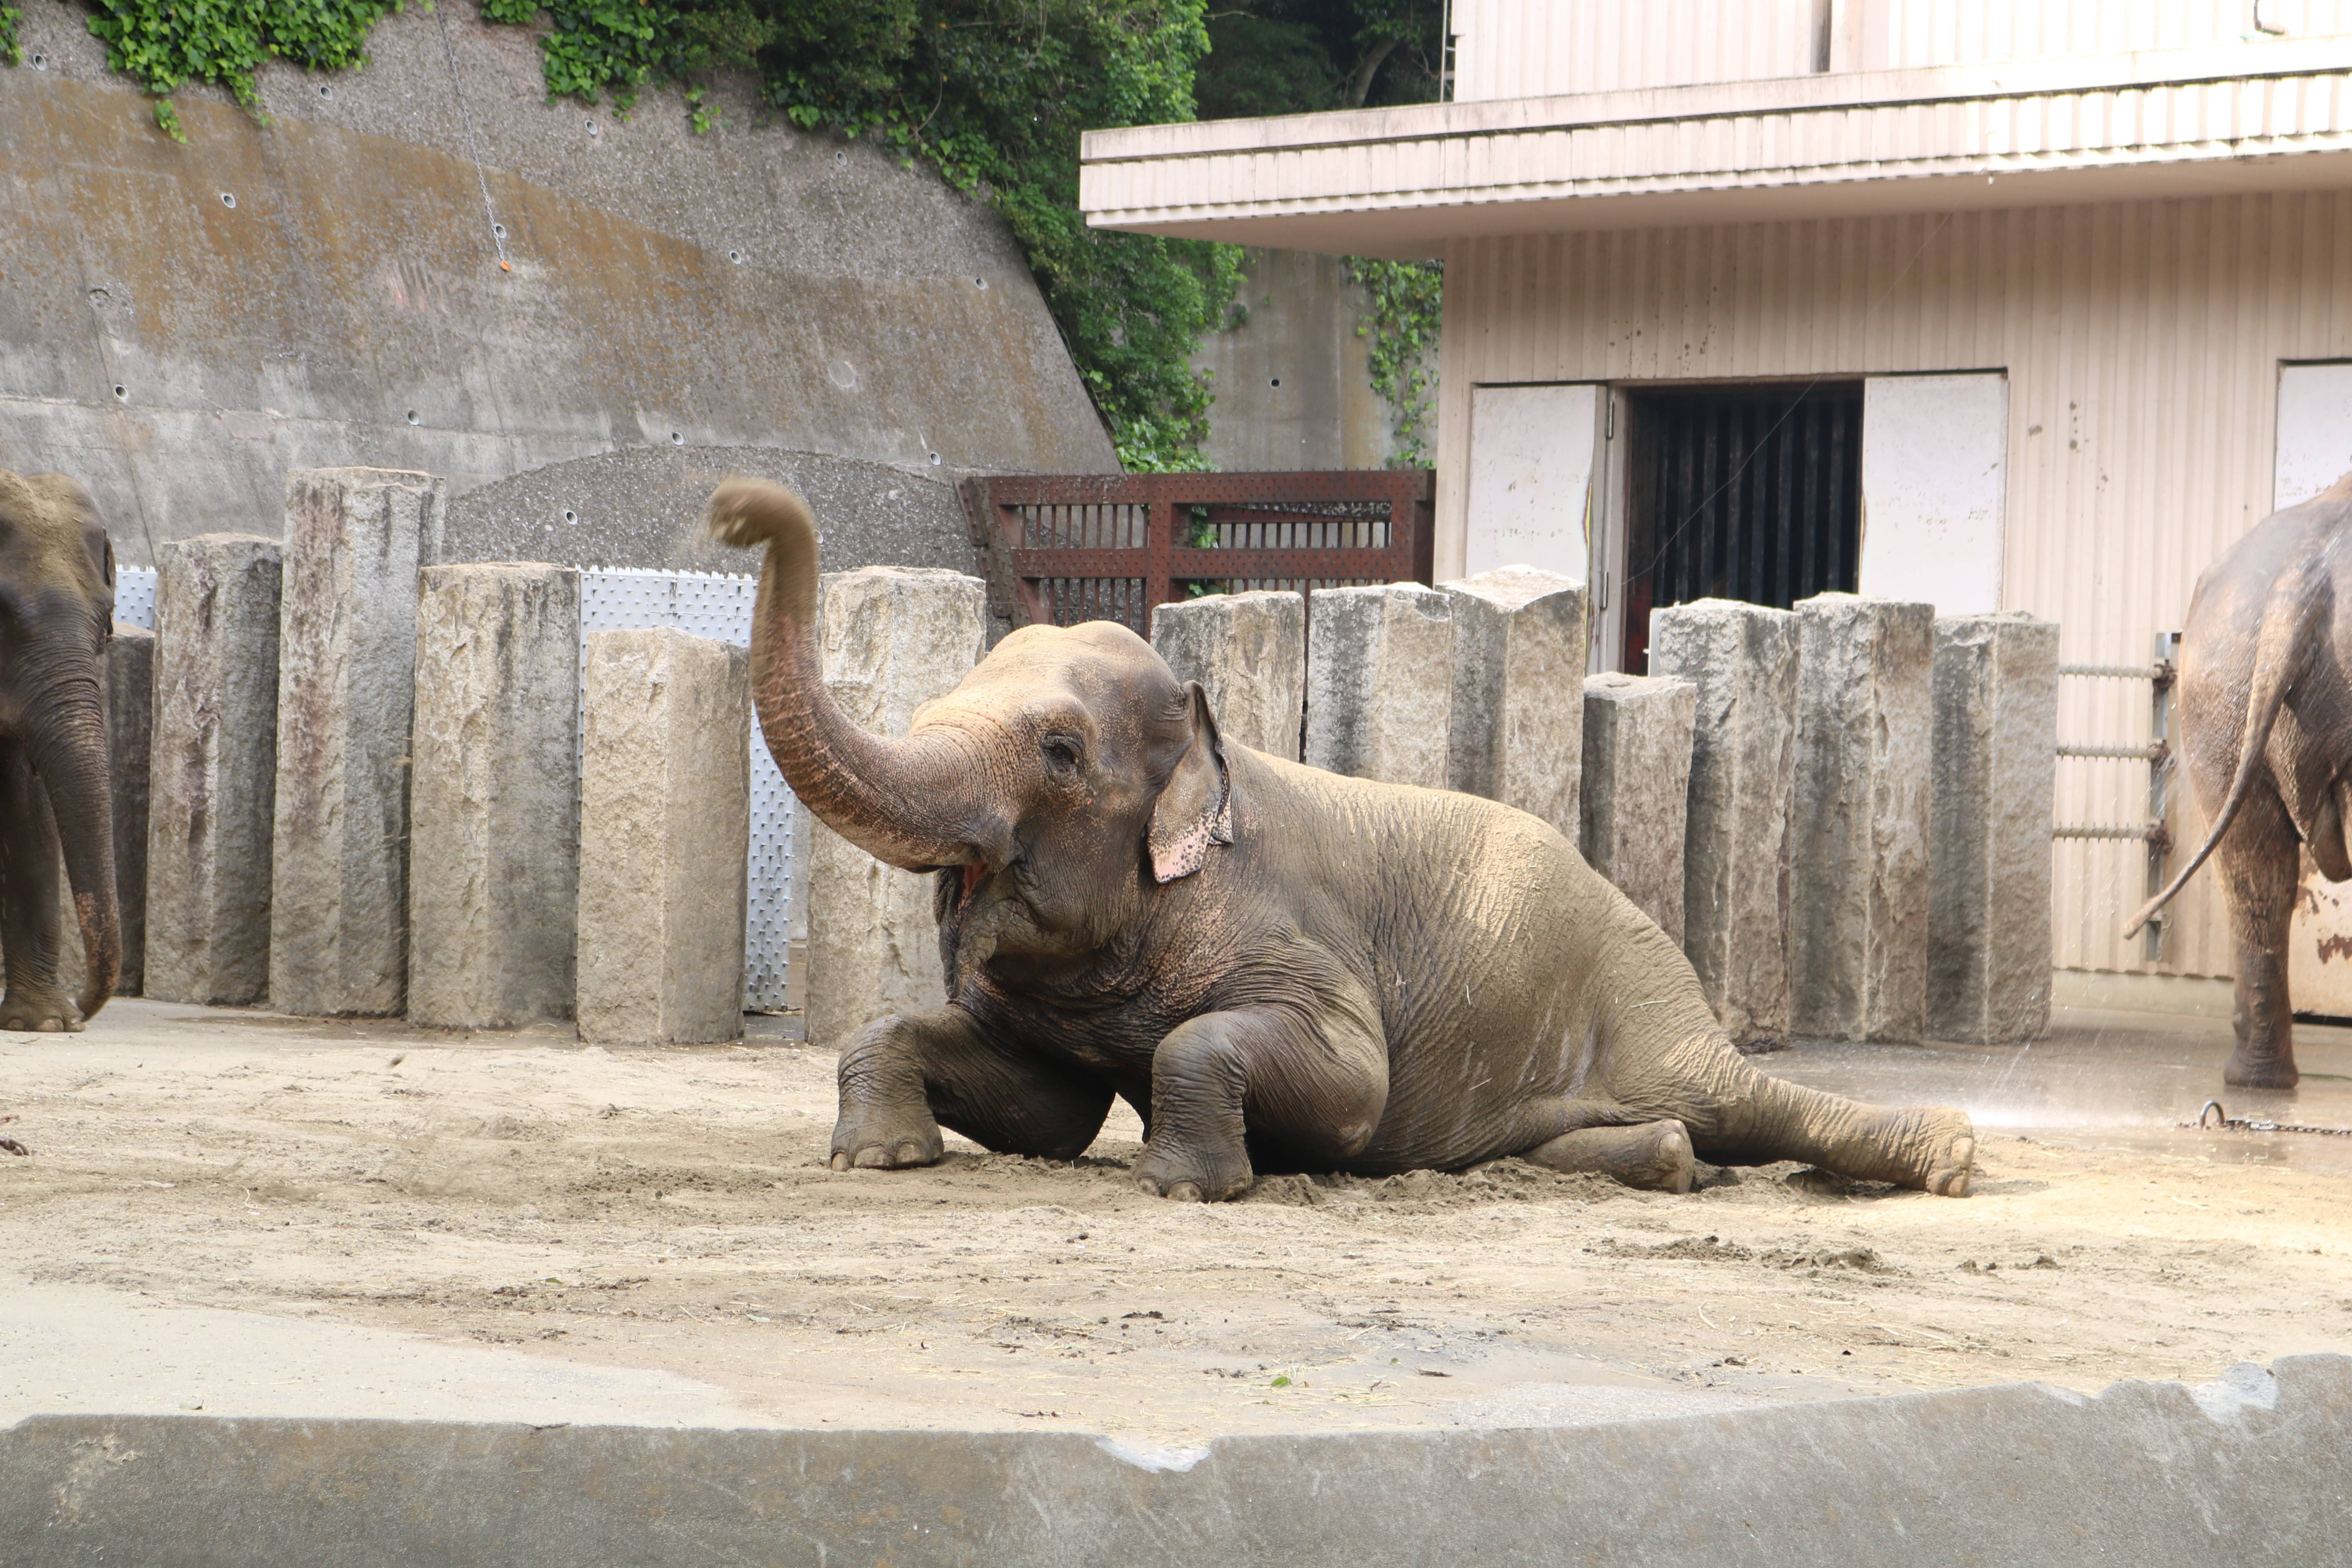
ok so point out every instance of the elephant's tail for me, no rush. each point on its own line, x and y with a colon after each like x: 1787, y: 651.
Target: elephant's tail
x: 2289, y: 634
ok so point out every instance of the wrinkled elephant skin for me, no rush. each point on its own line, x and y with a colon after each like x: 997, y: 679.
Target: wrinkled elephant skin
x: 57, y: 611
x: 1279, y: 968
x: 2266, y: 700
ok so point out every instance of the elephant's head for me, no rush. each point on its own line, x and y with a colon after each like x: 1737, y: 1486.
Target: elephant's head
x: 57, y: 611
x: 1065, y: 779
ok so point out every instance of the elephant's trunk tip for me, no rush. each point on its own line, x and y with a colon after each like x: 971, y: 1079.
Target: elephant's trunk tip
x: 746, y: 513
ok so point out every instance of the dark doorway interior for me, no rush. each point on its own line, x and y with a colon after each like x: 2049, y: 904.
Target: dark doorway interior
x: 1740, y: 493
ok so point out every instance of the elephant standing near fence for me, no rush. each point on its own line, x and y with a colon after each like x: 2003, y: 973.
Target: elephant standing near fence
x: 1278, y: 967
x: 57, y: 611
x: 2266, y: 701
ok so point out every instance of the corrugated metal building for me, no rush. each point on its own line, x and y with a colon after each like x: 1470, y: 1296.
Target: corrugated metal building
x: 1989, y: 302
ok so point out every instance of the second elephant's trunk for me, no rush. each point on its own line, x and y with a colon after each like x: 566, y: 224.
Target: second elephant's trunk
x: 917, y: 803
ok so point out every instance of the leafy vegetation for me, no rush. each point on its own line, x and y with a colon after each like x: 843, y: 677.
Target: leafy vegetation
x: 993, y: 94
x: 11, y: 52
x: 1406, y: 297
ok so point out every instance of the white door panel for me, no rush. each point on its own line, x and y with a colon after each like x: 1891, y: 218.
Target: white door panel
x: 1531, y: 468
x: 1934, y: 467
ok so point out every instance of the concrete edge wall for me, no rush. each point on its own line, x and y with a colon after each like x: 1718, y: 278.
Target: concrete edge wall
x: 2246, y: 1470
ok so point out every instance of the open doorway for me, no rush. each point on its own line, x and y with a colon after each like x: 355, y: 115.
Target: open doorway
x: 1748, y: 492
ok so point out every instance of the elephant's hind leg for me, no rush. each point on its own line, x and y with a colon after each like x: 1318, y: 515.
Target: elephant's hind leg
x: 906, y: 1076
x: 1738, y: 1115
x: 1655, y: 1156
x: 31, y: 870
x: 2260, y: 867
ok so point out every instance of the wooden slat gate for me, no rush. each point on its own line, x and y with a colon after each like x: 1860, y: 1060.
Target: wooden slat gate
x: 1089, y: 547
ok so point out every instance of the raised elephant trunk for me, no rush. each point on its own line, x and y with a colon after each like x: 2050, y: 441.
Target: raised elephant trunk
x: 68, y: 750
x: 917, y: 803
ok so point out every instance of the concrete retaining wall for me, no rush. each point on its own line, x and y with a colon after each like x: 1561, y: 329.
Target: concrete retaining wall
x: 2248, y: 1471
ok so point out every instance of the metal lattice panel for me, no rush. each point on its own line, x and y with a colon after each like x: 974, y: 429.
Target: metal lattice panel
x: 711, y: 606
x: 134, y: 596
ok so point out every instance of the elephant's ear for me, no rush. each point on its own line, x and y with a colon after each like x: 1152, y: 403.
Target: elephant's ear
x: 1196, y: 809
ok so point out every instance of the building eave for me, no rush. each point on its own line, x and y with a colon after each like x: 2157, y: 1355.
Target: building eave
x: 1402, y: 182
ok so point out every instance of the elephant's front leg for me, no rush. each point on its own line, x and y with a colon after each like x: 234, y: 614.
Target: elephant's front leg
x: 1317, y: 1086
x: 2260, y: 867
x: 906, y: 1076
x: 30, y: 872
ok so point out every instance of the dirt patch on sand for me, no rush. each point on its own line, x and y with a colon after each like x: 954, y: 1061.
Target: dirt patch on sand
x: 673, y: 1209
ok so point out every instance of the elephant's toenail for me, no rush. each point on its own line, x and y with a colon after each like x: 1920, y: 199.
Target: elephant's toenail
x: 1185, y: 1193
x: 841, y: 1161
x: 872, y: 1158
x: 910, y: 1153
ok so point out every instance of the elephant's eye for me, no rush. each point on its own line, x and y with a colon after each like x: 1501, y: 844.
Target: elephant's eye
x: 1061, y: 755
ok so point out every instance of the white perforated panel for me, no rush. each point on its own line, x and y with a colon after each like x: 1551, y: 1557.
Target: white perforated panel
x: 711, y: 606
x: 134, y: 596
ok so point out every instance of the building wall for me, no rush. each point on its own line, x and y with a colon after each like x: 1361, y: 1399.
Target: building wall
x: 1508, y: 49
x: 751, y: 287
x: 2142, y: 343
x: 1302, y: 333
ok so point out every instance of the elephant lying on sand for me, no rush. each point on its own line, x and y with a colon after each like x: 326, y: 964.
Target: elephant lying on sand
x: 57, y: 611
x: 1279, y: 968
x: 2266, y: 701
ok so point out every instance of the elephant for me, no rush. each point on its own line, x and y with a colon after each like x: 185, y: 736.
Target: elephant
x: 2265, y: 715
x: 57, y: 612
x: 1281, y: 969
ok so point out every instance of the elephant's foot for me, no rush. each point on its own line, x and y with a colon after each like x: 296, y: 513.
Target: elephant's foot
x: 39, y: 1012
x: 2262, y: 1070
x: 879, y: 1138
x: 1188, y: 1177
x: 1655, y: 1156
x: 1945, y: 1141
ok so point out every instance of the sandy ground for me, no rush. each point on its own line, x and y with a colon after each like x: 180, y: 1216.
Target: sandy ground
x: 669, y: 1213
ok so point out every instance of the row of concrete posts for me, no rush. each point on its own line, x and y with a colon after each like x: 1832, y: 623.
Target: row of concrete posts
x: 353, y: 781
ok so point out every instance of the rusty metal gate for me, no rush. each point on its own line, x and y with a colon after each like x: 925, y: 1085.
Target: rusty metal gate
x: 1107, y: 547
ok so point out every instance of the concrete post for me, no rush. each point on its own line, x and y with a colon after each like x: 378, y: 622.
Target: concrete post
x: 1248, y: 651
x: 1636, y: 795
x: 130, y: 699
x: 892, y: 639
x: 494, y: 824
x: 665, y: 811
x: 1995, y: 779
x: 347, y: 682
x: 1742, y: 661
x: 1380, y: 683
x: 1858, y: 855
x: 213, y: 768
x: 1517, y: 724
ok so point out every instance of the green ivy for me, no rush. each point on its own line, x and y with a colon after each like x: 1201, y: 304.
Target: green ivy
x: 161, y: 43
x: 1407, y: 300
x: 11, y: 52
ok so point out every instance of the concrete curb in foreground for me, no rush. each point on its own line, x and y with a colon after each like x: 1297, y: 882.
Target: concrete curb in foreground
x: 2248, y: 1470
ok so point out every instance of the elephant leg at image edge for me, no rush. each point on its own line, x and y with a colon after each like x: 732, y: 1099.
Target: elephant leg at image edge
x: 2260, y: 867
x: 1737, y: 1115
x: 904, y: 1077
x: 31, y: 873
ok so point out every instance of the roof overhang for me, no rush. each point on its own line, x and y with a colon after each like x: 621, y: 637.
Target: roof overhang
x: 1401, y: 181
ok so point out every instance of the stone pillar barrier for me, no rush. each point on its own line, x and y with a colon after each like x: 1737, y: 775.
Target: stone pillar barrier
x: 130, y: 699
x: 1248, y: 651
x: 1858, y: 859
x: 1380, y: 683
x: 1516, y: 722
x: 212, y: 768
x: 1636, y: 795
x: 347, y: 682
x: 494, y: 824
x: 892, y: 639
x: 1742, y: 661
x: 665, y: 811
x: 1995, y: 779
